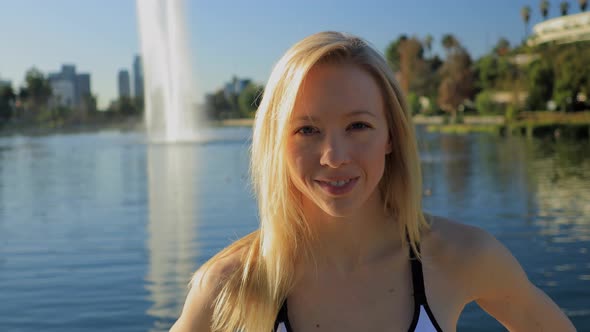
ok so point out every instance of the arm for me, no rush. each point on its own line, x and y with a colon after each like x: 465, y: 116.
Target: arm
x: 502, y: 289
x: 198, y: 308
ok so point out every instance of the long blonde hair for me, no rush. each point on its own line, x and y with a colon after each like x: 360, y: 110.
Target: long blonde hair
x: 251, y: 296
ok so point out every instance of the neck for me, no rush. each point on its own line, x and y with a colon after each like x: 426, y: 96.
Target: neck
x: 350, y: 243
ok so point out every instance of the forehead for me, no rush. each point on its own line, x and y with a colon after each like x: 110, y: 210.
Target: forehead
x: 329, y: 89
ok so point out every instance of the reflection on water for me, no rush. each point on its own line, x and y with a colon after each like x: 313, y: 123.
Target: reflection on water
x: 534, y: 196
x: 562, y: 192
x: 172, y: 170
x: 102, y: 232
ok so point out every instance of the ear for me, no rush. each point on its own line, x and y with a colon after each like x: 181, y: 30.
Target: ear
x: 388, y: 147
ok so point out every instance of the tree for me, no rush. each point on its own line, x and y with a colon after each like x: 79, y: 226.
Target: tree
x: 457, y: 83
x: 38, y: 90
x: 7, y: 100
x: 485, y: 104
x: 544, y: 7
x: 540, y: 84
x: 249, y: 100
x: 502, y: 47
x: 426, y: 81
x: 583, y: 4
x: 564, y: 7
x: 572, y: 74
x: 449, y: 42
x: 217, y: 106
x: 126, y: 106
x: 525, y: 13
x: 411, y: 62
x: 428, y: 43
x: 392, y: 53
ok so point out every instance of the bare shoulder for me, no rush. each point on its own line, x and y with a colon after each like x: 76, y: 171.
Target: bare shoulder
x: 491, y: 276
x: 467, y: 252
x: 206, y: 284
x: 457, y: 240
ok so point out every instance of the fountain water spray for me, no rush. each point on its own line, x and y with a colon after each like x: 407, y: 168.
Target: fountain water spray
x: 169, y: 90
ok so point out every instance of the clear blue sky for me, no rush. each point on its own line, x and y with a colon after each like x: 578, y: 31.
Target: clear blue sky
x: 242, y: 37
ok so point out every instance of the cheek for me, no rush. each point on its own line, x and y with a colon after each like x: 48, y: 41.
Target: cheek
x: 299, y: 164
x: 373, y: 157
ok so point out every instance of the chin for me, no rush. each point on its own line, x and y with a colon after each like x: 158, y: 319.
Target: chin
x: 339, y: 210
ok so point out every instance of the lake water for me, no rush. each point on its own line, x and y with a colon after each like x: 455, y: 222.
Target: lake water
x: 101, y: 231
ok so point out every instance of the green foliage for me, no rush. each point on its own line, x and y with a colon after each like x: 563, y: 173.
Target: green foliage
x: 487, y: 73
x: 217, y: 106
x: 427, y: 43
x: 7, y: 99
x: 525, y: 13
x: 560, y: 74
x: 544, y: 8
x: 564, y: 7
x: 414, y: 103
x: 249, y: 100
x: 449, y: 42
x: 572, y: 74
x: 494, y: 71
x: 502, y: 47
x: 38, y: 89
x: 485, y: 105
x: 511, y: 112
x: 392, y: 53
x: 127, y: 106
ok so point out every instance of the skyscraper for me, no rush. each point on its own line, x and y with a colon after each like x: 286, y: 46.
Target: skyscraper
x: 69, y: 89
x: 82, y: 87
x: 137, y: 77
x: 124, y: 84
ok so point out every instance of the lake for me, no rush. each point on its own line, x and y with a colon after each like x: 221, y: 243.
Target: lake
x: 102, y: 231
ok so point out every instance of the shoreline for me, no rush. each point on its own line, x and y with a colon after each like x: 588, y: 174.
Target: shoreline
x: 529, y: 124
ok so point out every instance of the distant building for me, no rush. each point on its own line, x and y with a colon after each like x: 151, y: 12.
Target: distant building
x: 82, y: 88
x: 235, y: 87
x: 4, y: 83
x: 64, y: 92
x: 69, y: 88
x: 124, y: 84
x: 563, y: 29
x: 137, y: 76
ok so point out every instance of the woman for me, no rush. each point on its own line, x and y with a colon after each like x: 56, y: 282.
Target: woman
x: 343, y: 244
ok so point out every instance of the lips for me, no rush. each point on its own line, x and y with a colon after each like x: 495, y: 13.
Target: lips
x: 337, y: 186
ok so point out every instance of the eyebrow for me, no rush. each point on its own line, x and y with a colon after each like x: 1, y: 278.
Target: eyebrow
x: 348, y: 115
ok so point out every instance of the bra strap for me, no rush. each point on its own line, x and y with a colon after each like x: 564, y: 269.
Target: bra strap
x: 417, y: 278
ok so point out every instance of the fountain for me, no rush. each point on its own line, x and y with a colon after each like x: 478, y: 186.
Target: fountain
x: 169, y: 90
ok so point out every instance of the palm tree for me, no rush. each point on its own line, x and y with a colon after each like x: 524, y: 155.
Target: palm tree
x: 564, y: 7
x: 583, y: 4
x: 428, y: 43
x: 449, y: 42
x: 544, y: 6
x: 525, y: 13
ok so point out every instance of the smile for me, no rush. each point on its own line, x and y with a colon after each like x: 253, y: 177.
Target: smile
x: 338, y: 187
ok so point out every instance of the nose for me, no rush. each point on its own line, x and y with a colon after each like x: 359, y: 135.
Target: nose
x: 335, y: 152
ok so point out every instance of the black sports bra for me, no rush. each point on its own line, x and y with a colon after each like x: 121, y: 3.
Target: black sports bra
x: 422, y: 321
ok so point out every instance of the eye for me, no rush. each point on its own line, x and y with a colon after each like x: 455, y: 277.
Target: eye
x: 359, y: 126
x: 307, y: 131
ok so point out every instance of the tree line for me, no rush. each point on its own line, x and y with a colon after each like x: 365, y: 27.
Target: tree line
x: 36, y: 104
x: 505, y: 80
x: 226, y: 104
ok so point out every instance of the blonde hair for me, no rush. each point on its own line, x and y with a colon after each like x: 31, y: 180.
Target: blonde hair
x: 252, y: 294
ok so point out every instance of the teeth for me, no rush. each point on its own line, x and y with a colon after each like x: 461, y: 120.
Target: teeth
x: 338, y: 183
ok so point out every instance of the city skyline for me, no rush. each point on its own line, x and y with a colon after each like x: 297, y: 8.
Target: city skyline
x: 244, y: 39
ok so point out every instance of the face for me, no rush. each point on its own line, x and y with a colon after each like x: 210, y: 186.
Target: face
x: 338, y: 139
